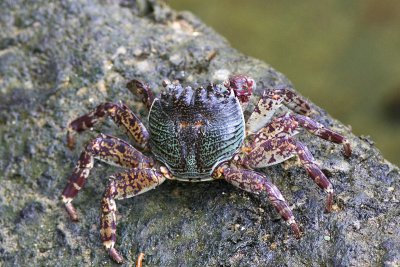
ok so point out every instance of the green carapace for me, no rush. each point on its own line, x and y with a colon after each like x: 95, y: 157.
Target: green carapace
x: 193, y: 130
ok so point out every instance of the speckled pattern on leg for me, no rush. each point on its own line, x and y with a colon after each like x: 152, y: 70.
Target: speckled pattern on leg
x: 256, y: 183
x: 120, y: 114
x: 270, y: 102
x: 313, y: 170
x: 108, y: 149
x: 321, y: 131
x: 271, y: 145
x: 123, y: 185
x: 275, y: 150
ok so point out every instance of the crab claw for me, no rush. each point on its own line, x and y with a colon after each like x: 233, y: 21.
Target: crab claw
x: 242, y: 86
x: 114, y: 254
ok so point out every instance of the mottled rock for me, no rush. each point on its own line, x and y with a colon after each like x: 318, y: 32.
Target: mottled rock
x: 31, y: 211
x: 60, y: 59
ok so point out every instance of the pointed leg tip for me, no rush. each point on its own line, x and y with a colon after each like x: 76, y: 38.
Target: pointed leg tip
x: 329, y: 203
x: 75, y: 219
x: 72, y: 212
x: 139, y: 262
x: 295, y: 230
x: 70, y: 141
x: 328, y: 210
x: 114, y: 254
x: 71, y: 146
x: 347, y: 149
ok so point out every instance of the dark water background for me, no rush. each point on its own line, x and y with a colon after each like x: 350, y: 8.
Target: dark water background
x: 343, y: 55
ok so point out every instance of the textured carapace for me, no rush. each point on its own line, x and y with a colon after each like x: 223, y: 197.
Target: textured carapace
x: 193, y: 130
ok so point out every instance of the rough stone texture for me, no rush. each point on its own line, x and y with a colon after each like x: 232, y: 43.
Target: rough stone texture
x: 58, y: 60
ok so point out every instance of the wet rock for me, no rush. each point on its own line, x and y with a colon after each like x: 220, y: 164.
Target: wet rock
x: 31, y: 211
x: 46, y: 182
x: 391, y: 256
x: 60, y: 59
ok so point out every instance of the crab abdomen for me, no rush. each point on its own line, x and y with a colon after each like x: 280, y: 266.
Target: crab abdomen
x: 193, y: 130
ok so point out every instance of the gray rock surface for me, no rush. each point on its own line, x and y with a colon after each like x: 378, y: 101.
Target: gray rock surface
x: 60, y: 59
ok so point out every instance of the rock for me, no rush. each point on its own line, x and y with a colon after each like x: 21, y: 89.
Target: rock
x: 31, y: 211
x: 60, y: 59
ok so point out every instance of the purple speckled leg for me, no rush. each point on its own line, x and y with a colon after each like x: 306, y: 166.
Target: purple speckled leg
x: 271, y: 145
x: 270, y: 102
x: 313, y: 170
x: 274, y: 144
x: 256, y: 183
x: 321, y: 131
x: 120, y: 114
x: 105, y: 148
x: 276, y: 150
x: 123, y: 185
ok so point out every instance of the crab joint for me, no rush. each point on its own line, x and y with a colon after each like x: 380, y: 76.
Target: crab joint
x: 246, y: 149
x: 166, y: 172
x: 218, y: 173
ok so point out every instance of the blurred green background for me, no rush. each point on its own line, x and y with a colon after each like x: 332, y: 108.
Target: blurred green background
x: 343, y: 55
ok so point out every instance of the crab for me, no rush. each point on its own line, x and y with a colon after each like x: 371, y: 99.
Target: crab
x: 198, y: 134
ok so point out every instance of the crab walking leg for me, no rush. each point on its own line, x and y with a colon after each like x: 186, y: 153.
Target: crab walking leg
x: 323, y: 132
x: 120, y: 114
x: 123, y: 185
x: 313, y: 170
x: 270, y: 102
x: 289, y: 125
x: 106, y: 148
x: 142, y: 89
x: 276, y: 150
x: 254, y: 182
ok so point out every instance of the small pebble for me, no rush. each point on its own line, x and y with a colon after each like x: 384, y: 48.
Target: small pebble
x: 327, y: 238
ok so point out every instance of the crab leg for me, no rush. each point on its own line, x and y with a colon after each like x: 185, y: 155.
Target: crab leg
x: 276, y: 150
x: 270, y: 102
x: 289, y: 125
x: 321, y: 131
x: 254, y: 182
x: 308, y: 162
x: 142, y: 89
x: 106, y: 148
x: 123, y: 185
x: 120, y: 114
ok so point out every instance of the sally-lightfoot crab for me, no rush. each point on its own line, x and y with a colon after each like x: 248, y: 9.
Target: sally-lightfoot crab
x: 198, y: 134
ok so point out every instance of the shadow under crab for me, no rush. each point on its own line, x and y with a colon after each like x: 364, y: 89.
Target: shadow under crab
x: 198, y: 134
